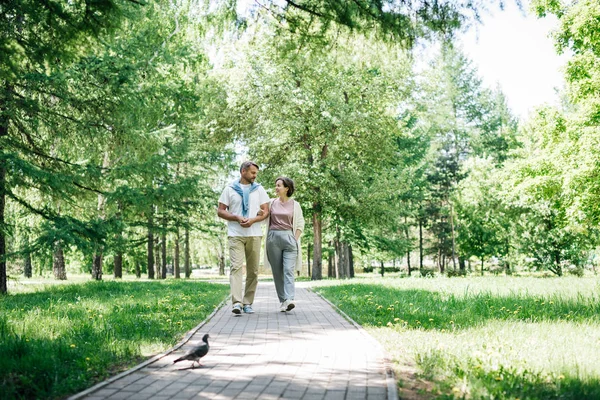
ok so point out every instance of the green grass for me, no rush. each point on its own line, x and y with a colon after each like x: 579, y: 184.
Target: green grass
x: 483, y: 338
x: 57, y: 340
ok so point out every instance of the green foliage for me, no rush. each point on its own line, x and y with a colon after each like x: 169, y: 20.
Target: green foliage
x: 60, y: 340
x: 403, y: 23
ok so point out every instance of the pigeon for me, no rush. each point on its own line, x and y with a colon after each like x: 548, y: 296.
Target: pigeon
x: 196, y: 353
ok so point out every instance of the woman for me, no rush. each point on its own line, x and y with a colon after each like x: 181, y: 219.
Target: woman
x: 285, y: 224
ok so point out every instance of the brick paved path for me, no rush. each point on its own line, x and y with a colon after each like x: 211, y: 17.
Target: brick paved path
x: 309, y: 353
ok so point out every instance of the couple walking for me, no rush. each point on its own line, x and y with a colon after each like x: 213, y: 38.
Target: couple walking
x: 245, y: 204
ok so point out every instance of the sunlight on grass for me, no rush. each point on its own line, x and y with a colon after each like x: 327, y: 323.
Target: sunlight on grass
x: 60, y: 339
x: 481, y: 338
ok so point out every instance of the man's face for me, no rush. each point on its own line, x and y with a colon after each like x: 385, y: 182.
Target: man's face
x: 249, y: 175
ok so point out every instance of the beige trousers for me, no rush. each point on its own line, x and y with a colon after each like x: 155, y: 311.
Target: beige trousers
x: 243, y: 250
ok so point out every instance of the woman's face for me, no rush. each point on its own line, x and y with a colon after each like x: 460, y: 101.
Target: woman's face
x: 280, y: 190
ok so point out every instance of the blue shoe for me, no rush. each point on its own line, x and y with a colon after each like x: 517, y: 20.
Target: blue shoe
x: 248, y: 309
x: 237, y: 309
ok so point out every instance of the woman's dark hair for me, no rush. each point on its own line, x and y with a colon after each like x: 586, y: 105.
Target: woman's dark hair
x: 288, y: 183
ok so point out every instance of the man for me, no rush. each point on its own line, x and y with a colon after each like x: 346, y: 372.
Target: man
x: 239, y: 205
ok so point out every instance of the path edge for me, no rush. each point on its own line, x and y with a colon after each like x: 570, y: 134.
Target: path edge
x: 183, y: 341
x: 390, y: 376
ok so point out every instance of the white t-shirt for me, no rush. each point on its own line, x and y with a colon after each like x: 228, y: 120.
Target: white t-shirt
x: 233, y: 201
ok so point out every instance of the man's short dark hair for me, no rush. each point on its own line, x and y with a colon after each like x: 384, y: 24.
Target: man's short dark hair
x: 288, y: 183
x: 247, y: 165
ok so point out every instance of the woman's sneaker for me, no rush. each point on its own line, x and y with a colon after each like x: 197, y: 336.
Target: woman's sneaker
x: 237, y: 309
x: 283, y: 306
x: 290, y: 305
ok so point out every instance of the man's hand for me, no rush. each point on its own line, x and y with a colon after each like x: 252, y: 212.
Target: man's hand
x: 247, y: 222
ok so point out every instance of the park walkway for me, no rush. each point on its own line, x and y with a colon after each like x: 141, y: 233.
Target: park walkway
x: 309, y: 353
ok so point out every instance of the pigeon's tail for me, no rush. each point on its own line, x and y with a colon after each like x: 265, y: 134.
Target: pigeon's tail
x: 179, y: 359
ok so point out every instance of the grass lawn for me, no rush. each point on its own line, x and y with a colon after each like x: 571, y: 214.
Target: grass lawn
x: 483, y: 338
x: 57, y: 340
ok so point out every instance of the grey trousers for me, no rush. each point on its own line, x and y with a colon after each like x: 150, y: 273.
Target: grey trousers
x: 282, y: 251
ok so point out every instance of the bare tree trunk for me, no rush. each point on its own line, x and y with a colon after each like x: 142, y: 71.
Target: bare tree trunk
x: 317, y: 272
x: 453, y: 236
x: 118, y: 261
x: 163, y: 247
x: 382, y: 268
x: 343, y: 260
x: 176, y: 258
x: 99, y: 251
x: 462, y: 266
x: 340, y: 259
x: 118, y: 265
x: 421, y: 246
x: 150, y: 247
x: 58, y: 264
x: 97, y: 265
x: 221, y: 257
x: 350, y: 261
x: 138, y: 270
x: 4, y: 121
x: 27, y: 268
x: 157, y: 257
x: 308, y: 257
x: 330, y: 264
x: 481, y: 266
x: 407, y: 234
x: 186, y: 254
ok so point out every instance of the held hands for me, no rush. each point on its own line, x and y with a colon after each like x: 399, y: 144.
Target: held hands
x: 245, y: 222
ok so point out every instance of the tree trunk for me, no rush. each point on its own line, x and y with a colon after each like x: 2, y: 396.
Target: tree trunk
x: 99, y: 251
x: 163, y: 247
x: 97, y: 265
x: 317, y: 272
x: 350, y: 261
x: 58, y: 264
x: 343, y: 260
x: 176, y: 258
x: 186, y: 254
x: 407, y: 234
x: 118, y: 265
x: 330, y: 264
x: 27, y: 269
x: 221, y: 257
x: 4, y: 120
x: 340, y: 259
x: 150, y: 248
x: 557, y: 262
x: 421, y: 246
x: 308, y: 257
x: 157, y: 257
x: 138, y: 270
x: 481, y: 266
x: 462, y: 266
x: 453, y: 237
x: 382, y: 268
x: 118, y: 261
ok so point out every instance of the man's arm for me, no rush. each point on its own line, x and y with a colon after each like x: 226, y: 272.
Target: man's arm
x: 224, y: 213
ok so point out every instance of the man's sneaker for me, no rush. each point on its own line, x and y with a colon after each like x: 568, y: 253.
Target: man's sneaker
x: 290, y: 305
x: 237, y: 309
x: 283, y: 307
x: 248, y: 309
